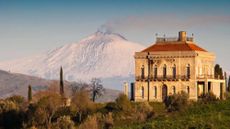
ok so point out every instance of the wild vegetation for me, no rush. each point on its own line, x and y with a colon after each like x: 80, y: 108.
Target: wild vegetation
x: 50, y: 109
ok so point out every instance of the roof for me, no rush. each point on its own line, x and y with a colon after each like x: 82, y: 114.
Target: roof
x: 174, y: 47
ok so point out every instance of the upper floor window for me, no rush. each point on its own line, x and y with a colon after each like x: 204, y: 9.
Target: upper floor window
x: 188, y: 71
x: 164, y: 71
x: 142, y: 71
x: 155, y: 71
x: 174, y: 71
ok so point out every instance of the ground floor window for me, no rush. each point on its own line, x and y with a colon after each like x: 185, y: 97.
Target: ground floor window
x: 155, y: 91
x: 142, y: 92
x: 174, y: 90
x: 188, y: 90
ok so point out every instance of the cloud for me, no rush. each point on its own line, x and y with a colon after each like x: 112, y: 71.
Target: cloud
x: 165, y: 22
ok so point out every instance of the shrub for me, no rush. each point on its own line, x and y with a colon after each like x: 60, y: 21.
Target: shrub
x: 108, y: 122
x: 17, y: 99
x: 81, y: 105
x: 208, y: 97
x: 176, y: 102
x: 90, y: 123
x: 64, y: 122
x: 227, y: 95
x: 143, y: 111
x: 123, y: 103
x: 111, y: 107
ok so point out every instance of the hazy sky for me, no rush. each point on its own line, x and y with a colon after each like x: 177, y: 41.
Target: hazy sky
x: 33, y: 26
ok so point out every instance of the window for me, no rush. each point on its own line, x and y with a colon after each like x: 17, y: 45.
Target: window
x: 142, y: 72
x: 188, y: 71
x: 142, y: 92
x: 155, y: 91
x: 188, y: 90
x: 164, y: 71
x: 174, y: 71
x: 155, y: 71
x: 174, y: 90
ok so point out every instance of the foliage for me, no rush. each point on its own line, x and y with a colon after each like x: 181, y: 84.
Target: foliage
x: 123, y: 103
x: 208, y: 97
x: 176, y: 102
x: 108, y: 121
x: 29, y: 93
x: 90, y: 123
x: 218, y: 72
x: 64, y: 122
x: 81, y: 104
x: 17, y: 99
x: 45, y: 109
x: 61, y: 82
x: 48, y: 111
x: 10, y: 114
x: 229, y: 84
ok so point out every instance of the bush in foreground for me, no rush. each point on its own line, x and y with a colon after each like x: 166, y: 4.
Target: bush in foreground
x: 176, y: 102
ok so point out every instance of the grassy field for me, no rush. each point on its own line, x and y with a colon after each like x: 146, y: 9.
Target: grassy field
x: 213, y: 115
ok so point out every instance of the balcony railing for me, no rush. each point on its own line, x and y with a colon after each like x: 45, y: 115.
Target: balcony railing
x: 171, y: 39
x: 204, y: 76
x: 163, y: 78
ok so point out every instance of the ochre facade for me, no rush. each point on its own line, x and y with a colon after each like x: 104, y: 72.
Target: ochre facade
x: 172, y: 65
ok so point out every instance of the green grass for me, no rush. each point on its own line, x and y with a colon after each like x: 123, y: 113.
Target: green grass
x: 215, y: 115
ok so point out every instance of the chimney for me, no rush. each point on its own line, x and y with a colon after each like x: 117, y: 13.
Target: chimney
x: 182, y: 36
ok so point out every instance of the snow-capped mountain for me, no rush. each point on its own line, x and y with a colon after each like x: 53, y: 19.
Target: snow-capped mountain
x: 102, y: 55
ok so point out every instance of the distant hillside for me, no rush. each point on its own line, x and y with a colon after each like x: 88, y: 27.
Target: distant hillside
x: 17, y: 84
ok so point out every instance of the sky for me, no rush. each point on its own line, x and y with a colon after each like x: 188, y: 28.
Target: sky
x: 29, y: 27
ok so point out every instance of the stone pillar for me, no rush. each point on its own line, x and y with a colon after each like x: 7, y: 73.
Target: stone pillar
x: 206, y: 87
x: 126, y: 88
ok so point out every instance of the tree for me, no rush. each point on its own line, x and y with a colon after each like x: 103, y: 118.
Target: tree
x: 229, y: 83
x: 81, y: 104
x: 79, y: 86
x: 217, y: 70
x: 61, y: 83
x: 96, y: 88
x: 46, y: 107
x: 29, y: 93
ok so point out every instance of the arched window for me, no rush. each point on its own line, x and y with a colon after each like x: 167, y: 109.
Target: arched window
x: 174, y: 71
x: 174, y: 90
x: 155, y: 71
x: 142, y: 92
x: 188, y: 90
x: 188, y: 71
x: 155, y: 91
x: 142, y: 72
x: 164, y: 71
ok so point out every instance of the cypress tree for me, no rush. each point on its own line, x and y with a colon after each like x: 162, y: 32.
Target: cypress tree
x: 29, y: 93
x: 229, y: 83
x: 217, y: 70
x: 61, y: 83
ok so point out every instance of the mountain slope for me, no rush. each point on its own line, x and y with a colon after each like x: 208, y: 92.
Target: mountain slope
x: 17, y: 84
x: 102, y: 55
x: 11, y: 83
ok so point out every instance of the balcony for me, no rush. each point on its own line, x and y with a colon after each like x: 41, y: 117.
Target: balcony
x: 205, y: 76
x: 163, y: 78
